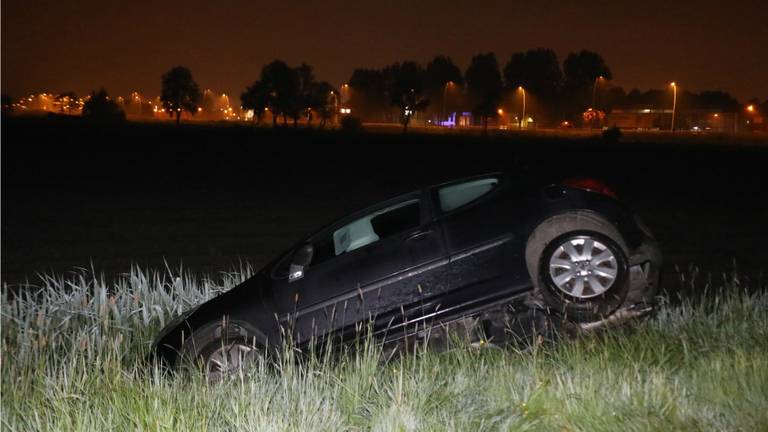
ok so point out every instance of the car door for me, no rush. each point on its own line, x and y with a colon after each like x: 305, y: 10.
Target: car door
x: 363, y: 269
x: 480, y: 218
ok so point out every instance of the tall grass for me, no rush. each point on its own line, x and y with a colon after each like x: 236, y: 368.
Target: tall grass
x: 72, y: 350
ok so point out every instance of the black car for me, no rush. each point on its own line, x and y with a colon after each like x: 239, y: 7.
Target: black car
x: 491, y: 248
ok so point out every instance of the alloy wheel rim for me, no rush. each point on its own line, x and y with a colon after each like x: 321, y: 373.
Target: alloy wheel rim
x: 583, y: 267
x: 228, y: 360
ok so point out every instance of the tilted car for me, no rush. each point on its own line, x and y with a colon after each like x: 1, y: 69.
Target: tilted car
x: 485, y: 247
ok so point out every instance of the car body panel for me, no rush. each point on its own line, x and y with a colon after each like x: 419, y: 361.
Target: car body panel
x: 453, y: 263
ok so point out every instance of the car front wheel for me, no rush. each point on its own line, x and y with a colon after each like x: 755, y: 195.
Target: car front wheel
x: 222, y: 350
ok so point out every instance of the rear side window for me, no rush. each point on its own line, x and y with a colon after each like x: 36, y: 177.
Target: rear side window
x: 376, y: 226
x: 373, y: 227
x: 456, y: 195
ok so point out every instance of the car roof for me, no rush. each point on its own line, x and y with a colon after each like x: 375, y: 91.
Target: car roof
x: 390, y: 200
x: 467, y: 179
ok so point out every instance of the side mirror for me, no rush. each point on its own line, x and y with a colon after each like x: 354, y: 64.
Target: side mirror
x: 300, y: 261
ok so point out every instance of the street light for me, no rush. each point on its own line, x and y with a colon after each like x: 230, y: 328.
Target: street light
x: 520, y: 125
x: 445, y: 96
x: 344, y: 89
x: 594, y: 91
x: 674, y: 103
x: 751, y: 108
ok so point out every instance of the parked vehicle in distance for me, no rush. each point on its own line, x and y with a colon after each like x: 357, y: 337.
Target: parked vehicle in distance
x: 492, y: 248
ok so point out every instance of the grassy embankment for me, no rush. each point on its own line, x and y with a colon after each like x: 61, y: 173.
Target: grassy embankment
x: 70, y: 361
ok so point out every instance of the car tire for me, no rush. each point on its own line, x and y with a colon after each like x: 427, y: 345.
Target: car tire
x: 221, y: 349
x: 578, y: 264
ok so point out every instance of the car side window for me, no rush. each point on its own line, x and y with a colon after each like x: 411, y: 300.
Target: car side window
x: 457, y: 195
x: 367, y: 229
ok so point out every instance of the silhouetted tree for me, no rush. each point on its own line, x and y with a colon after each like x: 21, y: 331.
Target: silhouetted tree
x: 100, y: 107
x: 484, y: 86
x: 614, y: 97
x: 538, y: 72
x: 304, y: 97
x: 405, y: 84
x: 283, y: 84
x: 179, y: 92
x: 256, y: 97
x: 317, y: 100
x: 439, y: 72
x: 368, y: 96
x: 583, y: 68
x: 581, y: 71
x: 649, y: 99
x: 713, y: 99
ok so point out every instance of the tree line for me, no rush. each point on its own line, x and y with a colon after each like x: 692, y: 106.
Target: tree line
x: 484, y: 88
x: 551, y: 91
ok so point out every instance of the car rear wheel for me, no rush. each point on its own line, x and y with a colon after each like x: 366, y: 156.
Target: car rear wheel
x: 582, y: 267
x: 578, y: 262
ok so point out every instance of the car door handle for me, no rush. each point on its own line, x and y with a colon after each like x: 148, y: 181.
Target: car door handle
x: 418, y: 235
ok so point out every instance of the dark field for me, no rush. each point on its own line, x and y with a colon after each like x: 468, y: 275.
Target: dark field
x: 206, y: 196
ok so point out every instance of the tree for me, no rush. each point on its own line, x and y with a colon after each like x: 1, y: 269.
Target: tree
x: 649, y: 99
x: 713, y: 99
x: 442, y: 77
x: 305, y: 95
x: 584, y: 68
x: 582, y: 71
x: 614, y: 97
x: 368, y: 97
x: 283, y: 84
x: 100, y: 107
x: 179, y: 92
x: 484, y: 86
x: 256, y: 97
x: 404, y: 85
x: 319, y: 100
x: 538, y: 72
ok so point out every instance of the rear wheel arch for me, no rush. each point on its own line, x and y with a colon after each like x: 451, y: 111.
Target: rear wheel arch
x: 559, y: 228
x: 555, y: 225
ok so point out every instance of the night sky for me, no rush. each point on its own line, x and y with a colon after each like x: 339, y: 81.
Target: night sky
x: 124, y: 46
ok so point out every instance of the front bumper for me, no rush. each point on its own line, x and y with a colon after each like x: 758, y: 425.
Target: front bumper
x: 644, y: 274
x: 644, y: 277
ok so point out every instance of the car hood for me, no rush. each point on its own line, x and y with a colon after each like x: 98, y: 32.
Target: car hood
x: 246, y: 299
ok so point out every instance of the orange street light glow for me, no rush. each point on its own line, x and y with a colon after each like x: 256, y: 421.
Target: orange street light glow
x: 751, y: 108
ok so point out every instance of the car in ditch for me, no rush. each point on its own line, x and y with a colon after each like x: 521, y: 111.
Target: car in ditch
x: 492, y: 248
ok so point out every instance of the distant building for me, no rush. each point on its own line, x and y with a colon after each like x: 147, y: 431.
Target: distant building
x: 698, y: 120
x: 639, y: 119
x: 457, y: 119
x: 711, y: 120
